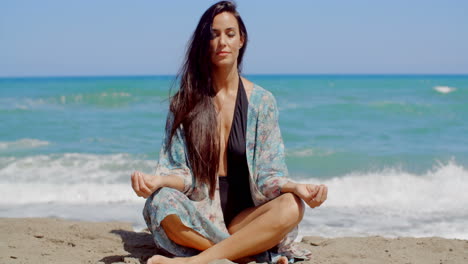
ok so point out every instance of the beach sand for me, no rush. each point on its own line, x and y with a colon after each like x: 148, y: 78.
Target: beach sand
x: 47, y: 240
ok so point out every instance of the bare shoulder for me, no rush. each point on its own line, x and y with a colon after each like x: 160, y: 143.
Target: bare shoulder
x: 248, y: 86
x: 266, y: 95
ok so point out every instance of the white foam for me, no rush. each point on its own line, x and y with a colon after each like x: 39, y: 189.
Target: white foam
x: 307, y: 152
x: 80, y: 193
x: 69, y: 178
x: 24, y: 103
x: 444, y: 89
x: 24, y: 143
x: 393, y: 203
x: 288, y: 106
x: 339, y: 222
x: 116, y: 94
x: 389, y: 202
x: 440, y: 189
x: 58, y: 101
x: 301, y: 153
x: 72, y: 168
x: 13, y: 103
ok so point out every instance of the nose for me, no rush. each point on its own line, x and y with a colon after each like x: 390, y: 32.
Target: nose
x: 222, y: 39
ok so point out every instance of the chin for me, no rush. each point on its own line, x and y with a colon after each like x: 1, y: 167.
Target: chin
x: 223, y: 63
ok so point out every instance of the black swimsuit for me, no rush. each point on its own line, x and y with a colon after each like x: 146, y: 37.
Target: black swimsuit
x: 235, y: 187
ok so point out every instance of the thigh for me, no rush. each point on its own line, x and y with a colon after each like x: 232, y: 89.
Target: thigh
x: 249, y: 214
x: 183, y: 235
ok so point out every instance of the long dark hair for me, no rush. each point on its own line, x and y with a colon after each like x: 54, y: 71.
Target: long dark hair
x: 192, y: 105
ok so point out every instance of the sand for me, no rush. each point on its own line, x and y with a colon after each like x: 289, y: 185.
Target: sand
x: 47, y: 240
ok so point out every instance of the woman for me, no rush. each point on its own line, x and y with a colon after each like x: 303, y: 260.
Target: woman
x: 221, y: 188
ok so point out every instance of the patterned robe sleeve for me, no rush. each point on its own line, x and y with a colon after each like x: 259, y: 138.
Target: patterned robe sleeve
x: 272, y: 170
x: 173, y: 162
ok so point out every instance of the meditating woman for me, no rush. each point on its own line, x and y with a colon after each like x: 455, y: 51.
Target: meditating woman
x: 221, y: 187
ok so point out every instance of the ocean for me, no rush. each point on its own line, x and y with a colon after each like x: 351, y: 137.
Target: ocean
x: 393, y: 149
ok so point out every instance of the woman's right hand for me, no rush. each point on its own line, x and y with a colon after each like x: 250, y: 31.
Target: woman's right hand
x: 144, y: 184
x: 313, y: 195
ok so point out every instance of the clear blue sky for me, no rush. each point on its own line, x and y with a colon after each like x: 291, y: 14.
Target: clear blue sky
x: 116, y: 37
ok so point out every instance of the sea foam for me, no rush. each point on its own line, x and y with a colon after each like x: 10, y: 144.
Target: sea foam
x: 69, y: 178
x: 72, y: 168
x: 85, y: 177
x: 24, y: 143
x: 390, y: 202
x: 444, y: 89
x: 440, y: 189
x: 393, y: 203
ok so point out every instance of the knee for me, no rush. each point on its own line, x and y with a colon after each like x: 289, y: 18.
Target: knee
x: 176, y: 230
x: 173, y: 225
x: 291, y: 210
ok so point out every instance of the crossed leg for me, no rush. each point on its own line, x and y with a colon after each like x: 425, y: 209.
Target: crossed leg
x: 253, y: 231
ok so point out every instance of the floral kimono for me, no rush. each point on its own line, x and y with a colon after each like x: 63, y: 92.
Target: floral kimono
x: 267, y: 174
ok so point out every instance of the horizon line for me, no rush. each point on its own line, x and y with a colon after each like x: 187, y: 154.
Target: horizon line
x: 247, y: 74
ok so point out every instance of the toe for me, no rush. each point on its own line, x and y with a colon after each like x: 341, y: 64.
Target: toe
x: 282, y: 260
x: 156, y: 259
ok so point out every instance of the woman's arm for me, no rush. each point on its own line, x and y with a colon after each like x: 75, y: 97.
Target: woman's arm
x: 272, y: 170
x: 173, y: 181
x: 172, y: 162
x: 145, y: 184
x: 289, y: 187
x: 313, y: 195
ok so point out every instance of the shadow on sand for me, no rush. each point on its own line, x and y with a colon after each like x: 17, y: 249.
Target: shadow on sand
x: 140, y: 247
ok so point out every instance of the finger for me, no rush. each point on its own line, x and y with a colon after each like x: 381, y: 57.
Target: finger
x: 132, y: 180
x: 145, y: 189
x: 312, y: 204
x: 315, y: 192
x: 316, y: 203
x: 312, y: 190
x: 325, y: 193
x: 142, y: 184
x: 319, y: 195
x: 306, y: 192
x: 322, y: 197
x: 136, y: 182
x: 318, y: 198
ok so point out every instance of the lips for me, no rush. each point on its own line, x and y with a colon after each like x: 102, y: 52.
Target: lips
x: 222, y: 53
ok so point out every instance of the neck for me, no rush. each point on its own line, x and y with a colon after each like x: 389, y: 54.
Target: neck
x: 225, y: 78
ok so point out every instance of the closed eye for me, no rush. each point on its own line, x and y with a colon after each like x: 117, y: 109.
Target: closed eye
x: 230, y: 32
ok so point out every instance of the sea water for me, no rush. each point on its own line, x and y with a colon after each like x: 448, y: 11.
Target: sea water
x: 392, y: 149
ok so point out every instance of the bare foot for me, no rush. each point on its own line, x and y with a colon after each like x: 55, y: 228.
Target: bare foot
x: 158, y: 259
x: 282, y: 260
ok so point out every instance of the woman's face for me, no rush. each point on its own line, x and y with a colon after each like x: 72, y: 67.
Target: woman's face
x: 226, y: 40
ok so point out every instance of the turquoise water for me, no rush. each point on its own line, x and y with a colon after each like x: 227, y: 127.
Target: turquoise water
x: 89, y: 133
x: 332, y: 125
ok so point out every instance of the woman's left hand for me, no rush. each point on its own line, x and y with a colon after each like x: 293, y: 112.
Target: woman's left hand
x: 144, y: 184
x: 313, y: 195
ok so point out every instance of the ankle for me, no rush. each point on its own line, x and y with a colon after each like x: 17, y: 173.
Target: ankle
x: 194, y: 260
x: 199, y: 259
